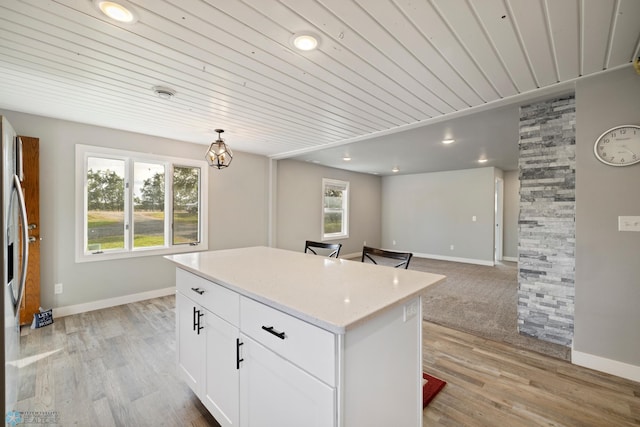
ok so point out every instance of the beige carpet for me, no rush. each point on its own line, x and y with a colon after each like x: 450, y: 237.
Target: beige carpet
x: 480, y: 300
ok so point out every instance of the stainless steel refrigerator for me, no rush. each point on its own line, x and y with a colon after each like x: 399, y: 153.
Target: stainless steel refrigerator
x: 14, y: 259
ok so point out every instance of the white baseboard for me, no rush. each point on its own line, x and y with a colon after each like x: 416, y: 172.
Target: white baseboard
x: 111, y: 302
x: 510, y: 258
x: 455, y: 259
x: 613, y: 367
x: 430, y: 256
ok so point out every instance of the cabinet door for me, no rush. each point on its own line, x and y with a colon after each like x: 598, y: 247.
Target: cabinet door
x: 275, y: 392
x: 190, y: 342
x: 222, y: 388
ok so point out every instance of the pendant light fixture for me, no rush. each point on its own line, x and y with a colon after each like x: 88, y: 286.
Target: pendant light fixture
x: 219, y: 154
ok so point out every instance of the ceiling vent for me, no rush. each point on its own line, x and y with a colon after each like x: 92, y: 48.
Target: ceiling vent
x: 164, y: 92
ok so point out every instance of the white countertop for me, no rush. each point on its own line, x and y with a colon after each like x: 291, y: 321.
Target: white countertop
x: 334, y: 294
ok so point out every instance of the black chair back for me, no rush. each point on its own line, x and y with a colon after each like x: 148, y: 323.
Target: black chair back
x: 315, y: 247
x: 371, y: 254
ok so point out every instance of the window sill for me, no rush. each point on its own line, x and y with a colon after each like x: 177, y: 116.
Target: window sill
x: 108, y: 256
x: 335, y: 237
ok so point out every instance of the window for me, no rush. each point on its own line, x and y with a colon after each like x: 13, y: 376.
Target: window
x: 133, y: 204
x: 148, y: 204
x: 185, y: 204
x: 335, y: 212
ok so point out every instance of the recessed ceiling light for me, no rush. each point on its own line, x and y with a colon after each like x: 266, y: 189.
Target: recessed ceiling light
x: 482, y: 160
x: 346, y: 158
x: 117, y: 10
x: 164, y: 92
x: 395, y: 169
x: 448, y: 141
x: 304, y: 41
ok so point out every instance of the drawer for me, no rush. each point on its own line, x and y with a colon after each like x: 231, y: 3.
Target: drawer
x: 311, y: 348
x: 217, y: 299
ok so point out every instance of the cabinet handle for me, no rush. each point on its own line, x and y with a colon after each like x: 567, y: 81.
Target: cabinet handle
x: 200, y: 314
x: 195, y: 318
x: 274, y: 332
x: 198, y: 290
x: 238, y: 359
x: 197, y: 314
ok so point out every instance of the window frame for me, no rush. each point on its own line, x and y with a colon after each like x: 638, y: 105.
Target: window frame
x: 83, y: 152
x: 345, y: 210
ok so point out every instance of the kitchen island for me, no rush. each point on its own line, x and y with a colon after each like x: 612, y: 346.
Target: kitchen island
x: 272, y: 337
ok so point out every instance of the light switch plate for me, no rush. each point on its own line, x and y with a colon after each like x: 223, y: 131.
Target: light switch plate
x: 629, y: 223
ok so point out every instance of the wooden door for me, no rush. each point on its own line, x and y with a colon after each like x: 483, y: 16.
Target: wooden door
x: 31, y: 189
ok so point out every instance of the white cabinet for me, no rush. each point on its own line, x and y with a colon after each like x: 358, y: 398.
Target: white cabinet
x: 190, y: 343
x: 253, y: 365
x: 274, y: 389
x: 221, y: 386
x: 240, y: 381
x: 303, y: 344
x: 208, y: 345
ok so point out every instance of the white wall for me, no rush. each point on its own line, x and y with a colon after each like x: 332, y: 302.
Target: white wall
x: 299, y: 206
x: 427, y: 213
x: 237, y: 209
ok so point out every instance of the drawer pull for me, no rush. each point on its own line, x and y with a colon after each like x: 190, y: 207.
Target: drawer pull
x: 198, y: 290
x: 238, y: 358
x: 274, y: 332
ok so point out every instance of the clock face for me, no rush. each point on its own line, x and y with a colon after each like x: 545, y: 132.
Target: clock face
x: 619, y: 146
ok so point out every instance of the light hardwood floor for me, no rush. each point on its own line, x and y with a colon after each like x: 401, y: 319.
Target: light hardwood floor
x: 111, y: 367
x: 116, y: 367
x: 494, y: 384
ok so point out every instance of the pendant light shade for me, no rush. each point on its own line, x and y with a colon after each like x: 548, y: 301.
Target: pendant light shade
x: 219, y: 154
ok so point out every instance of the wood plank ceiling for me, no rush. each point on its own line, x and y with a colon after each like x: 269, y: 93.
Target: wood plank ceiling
x: 381, y: 64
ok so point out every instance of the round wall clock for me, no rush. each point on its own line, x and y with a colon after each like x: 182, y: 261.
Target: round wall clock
x: 619, y: 146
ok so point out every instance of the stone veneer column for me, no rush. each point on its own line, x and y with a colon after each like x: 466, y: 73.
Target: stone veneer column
x: 546, y: 230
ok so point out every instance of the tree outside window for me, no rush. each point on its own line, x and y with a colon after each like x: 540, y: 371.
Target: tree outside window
x: 186, y: 203
x: 148, y: 204
x: 105, y: 204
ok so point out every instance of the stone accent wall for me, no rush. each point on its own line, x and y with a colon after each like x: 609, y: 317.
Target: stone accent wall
x: 546, y: 225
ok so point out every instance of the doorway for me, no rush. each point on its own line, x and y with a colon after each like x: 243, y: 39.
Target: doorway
x: 499, y: 213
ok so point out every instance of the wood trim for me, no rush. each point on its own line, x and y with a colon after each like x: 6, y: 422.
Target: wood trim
x: 31, y: 187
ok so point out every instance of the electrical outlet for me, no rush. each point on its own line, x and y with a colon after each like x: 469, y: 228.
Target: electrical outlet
x: 473, y: 218
x: 451, y: 247
x: 365, y: 243
x: 629, y: 223
x: 394, y: 243
x: 410, y: 310
x: 57, y: 288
